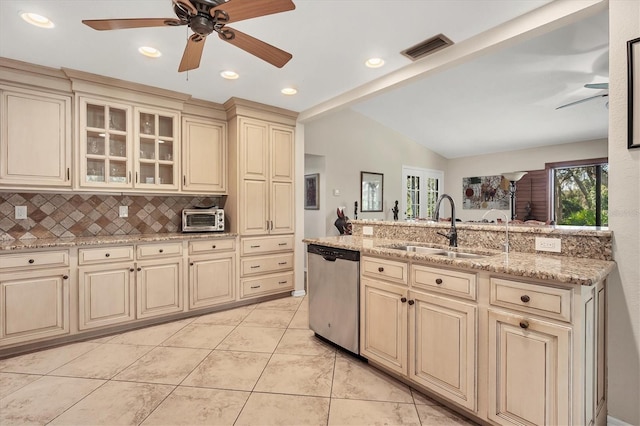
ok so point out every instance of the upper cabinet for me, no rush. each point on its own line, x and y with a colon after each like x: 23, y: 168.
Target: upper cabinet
x: 35, y: 138
x: 204, y: 156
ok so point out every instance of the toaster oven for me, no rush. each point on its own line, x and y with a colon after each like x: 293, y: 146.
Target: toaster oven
x: 203, y: 220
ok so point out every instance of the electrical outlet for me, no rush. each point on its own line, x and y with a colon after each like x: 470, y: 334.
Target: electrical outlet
x: 548, y: 244
x: 367, y: 230
x: 21, y: 212
x: 123, y: 211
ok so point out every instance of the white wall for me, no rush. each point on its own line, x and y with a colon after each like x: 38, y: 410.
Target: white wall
x: 623, y: 286
x: 513, y: 161
x: 352, y: 143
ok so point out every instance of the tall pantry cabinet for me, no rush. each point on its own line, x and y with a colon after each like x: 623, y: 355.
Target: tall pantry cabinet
x: 261, y: 192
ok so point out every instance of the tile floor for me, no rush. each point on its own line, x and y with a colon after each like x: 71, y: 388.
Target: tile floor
x: 255, y: 365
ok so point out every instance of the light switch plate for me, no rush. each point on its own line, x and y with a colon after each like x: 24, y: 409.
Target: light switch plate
x: 336, y: 192
x: 21, y: 212
x: 548, y: 244
x: 123, y: 211
x: 367, y: 230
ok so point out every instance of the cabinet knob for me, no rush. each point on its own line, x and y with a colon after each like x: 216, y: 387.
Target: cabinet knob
x: 191, y: 263
x: 380, y: 269
x: 107, y: 255
x: 438, y: 281
x: 131, y: 269
x: 160, y: 251
x: 31, y: 260
x: 524, y: 324
x: 404, y: 299
x: 411, y: 302
x: 525, y: 298
x: 139, y: 269
x: 65, y: 277
x: 213, y: 246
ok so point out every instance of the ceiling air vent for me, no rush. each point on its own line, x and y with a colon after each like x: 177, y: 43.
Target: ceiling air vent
x: 427, y: 47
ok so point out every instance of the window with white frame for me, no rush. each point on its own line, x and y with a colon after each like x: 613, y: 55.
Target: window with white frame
x: 421, y: 189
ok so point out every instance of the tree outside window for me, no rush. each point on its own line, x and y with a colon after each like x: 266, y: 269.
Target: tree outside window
x: 581, y: 194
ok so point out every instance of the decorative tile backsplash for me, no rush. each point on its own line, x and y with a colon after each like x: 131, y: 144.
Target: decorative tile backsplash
x: 75, y: 215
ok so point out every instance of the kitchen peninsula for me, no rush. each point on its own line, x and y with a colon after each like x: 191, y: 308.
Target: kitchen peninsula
x: 500, y: 337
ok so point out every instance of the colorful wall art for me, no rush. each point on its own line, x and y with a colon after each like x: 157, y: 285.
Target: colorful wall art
x: 485, y: 193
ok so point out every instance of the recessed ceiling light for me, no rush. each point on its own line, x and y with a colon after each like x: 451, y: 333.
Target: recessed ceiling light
x: 37, y: 20
x: 289, y: 91
x: 151, y: 52
x: 229, y: 75
x: 374, y: 62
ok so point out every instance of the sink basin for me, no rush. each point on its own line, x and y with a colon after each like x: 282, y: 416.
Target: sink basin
x: 460, y: 255
x: 418, y: 249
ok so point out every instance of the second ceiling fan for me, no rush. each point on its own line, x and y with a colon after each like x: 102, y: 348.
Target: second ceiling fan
x: 598, y: 86
x: 207, y: 16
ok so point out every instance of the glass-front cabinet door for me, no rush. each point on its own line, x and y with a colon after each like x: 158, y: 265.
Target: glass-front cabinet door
x: 105, y: 140
x: 157, y: 149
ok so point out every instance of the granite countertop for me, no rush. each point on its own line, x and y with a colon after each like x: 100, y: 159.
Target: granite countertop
x: 563, y: 269
x: 39, y: 243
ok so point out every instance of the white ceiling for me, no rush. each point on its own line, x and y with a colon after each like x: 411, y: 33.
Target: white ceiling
x: 482, y: 103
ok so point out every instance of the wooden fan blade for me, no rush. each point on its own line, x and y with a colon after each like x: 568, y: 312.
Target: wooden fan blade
x: 259, y: 48
x: 192, y: 53
x: 121, y: 24
x: 583, y: 100
x: 239, y: 10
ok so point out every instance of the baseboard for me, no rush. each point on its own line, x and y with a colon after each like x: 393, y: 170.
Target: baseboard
x: 612, y: 421
x: 298, y: 293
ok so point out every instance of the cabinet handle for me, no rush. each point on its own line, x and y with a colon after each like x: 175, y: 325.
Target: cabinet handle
x: 282, y: 282
x: 282, y: 263
x: 380, y: 269
x: 525, y: 298
x: 255, y: 246
x: 65, y: 277
x: 131, y: 269
x: 411, y: 302
x: 139, y: 269
x: 404, y: 299
x: 107, y: 255
x: 282, y: 244
x: 255, y: 286
x: 129, y: 177
x: 184, y: 180
x: 438, y: 281
x: 271, y: 225
x: 68, y: 173
x: 524, y: 324
x: 31, y: 260
x: 137, y: 178
x: 160, y: 251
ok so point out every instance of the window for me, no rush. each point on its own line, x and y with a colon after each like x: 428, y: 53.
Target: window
x: 580, y: 192
x: 421, y: 187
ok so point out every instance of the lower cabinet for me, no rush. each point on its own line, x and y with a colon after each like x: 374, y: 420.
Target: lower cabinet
x: 159, y: 288
x: 266, y: 265
x: 212, y: 280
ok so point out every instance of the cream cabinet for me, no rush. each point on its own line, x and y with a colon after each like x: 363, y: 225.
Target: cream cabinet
x: 266, y: 178
x: 156, y: 149
x: 212, y: 272
x: 35, y: 139
x: 159, y: 281
x: 204, y: 156
x: 266, y: 265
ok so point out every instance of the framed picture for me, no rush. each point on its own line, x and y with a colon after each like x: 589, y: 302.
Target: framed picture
x: 371, y: 190
x: 633, y: 98
x: 312, y: 192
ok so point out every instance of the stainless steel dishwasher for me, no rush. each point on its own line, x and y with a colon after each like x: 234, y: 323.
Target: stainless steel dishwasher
x: 333, y: 276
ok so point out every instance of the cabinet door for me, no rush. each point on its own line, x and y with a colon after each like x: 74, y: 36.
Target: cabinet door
x: 443, y: 347
x: 156, y: 149
x: 34, y: 306
x: 253, y: 208
x: 281, y: 208
x: 159, y: 288
x: 204, y: 156
x: 383, y: 324
x: 212, y: 281
x: 254, y: 145
x: 104, y: 144
x: 529, y: 368
x: 282, y: 153
x: 35, y: 138
x: 106, y: 295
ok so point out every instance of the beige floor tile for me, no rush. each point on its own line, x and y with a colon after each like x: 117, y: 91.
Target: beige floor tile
x: 300, y: 320
x: 116, y: 403
x: 195, y: 406
x: 437, y: 415
x: 304, y: 305
x: 420, y: 399
x: 284, y: 304
x: 11, y: 382
x: 355, y: 379
x: 229, y: 370
x: 355, y: 412
x: 205, y: 336
x: 41, y: 401
x: 272, y: 409
x: 103, y: 362
x: 303, y: 342
x: 104, y: 339
x: 268, y: 318
x: 42, y: 362
x: 164, y: 365
x: 151, y: 336
x: 252, y: 339
x: 297, y: 375
x: 230, y: 317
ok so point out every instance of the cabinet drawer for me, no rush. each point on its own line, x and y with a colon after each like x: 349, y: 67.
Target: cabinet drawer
x: 388, y: 270
x: 211, y: 246
x: 533, y: 298
x: 267, y: 244
x: 154, y: 251
x: 27, y: 261
x: 456, y: 283
x: 265, y: 285
x: 267, y: 264
x: 105, y: 254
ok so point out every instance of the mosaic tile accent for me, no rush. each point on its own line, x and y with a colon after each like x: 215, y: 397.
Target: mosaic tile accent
x: 86, y: 215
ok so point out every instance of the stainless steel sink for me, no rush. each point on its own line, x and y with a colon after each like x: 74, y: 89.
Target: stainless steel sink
x: 418, y: 249
x: 436, y: 251
x: 461, y: 255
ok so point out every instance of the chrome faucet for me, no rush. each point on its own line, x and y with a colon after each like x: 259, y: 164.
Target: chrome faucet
x: 452, y: 235
x: 506, y: 222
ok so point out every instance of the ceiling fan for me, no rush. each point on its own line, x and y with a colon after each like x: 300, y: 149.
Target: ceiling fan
x: 598, y: 86
x: 207, y: 16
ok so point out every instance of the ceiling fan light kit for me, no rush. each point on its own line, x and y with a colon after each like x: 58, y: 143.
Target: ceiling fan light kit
x: 207, y: 16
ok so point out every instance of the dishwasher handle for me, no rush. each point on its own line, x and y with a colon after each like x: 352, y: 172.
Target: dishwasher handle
x: 329, y: 258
